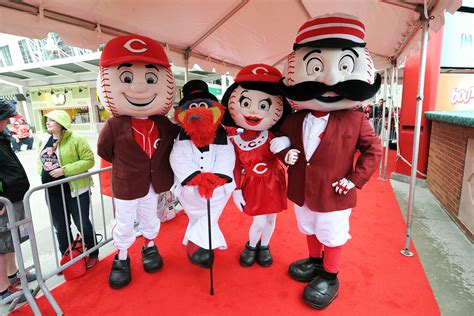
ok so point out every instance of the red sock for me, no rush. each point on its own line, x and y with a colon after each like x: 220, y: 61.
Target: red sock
x: 332, y: 258
x: 191, y: 248
x: 314, y: 246
x: 146, y: 242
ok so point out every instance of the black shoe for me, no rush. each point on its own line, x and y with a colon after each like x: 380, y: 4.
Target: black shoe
x: 264, y: 257
x: 305, y: 270
x: 202, y: 257
x: 151, y: 259
x: 248, y: 256
x: 321, y: 292
x: 120, y: 276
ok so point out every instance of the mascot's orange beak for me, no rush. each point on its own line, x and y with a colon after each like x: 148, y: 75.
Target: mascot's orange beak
x: 184, y: 115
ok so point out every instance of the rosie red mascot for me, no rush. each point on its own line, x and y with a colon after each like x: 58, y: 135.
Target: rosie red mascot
x: 256, y: 104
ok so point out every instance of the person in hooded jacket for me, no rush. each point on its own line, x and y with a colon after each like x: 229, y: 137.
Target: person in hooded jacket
x: 13, y: 186
x: 64, y: 154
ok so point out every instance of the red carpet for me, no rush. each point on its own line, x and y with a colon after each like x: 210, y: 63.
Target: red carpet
x: 375, y: 278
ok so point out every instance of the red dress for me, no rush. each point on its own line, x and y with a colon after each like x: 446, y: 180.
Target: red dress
x: 262, y: 176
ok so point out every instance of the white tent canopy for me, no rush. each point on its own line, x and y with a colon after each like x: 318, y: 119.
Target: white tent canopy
x: 220, y: 34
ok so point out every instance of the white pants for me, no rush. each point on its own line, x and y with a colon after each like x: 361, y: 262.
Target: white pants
x: 195, y: 208
x: 331, y: 228
x: 144, y: 209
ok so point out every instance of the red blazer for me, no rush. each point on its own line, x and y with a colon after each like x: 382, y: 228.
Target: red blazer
x: 132, y: 170
x: 310, y: 181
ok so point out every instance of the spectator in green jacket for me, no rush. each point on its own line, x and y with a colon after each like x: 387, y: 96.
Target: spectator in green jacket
x: 13, y: 186
x: 64, y: 154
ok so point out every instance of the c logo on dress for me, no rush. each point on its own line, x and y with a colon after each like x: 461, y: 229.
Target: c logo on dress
x: 259, y: 70
x: 252, y: 144
x: 157, y: 141
x: 259, y: 170
x: 128, y: 46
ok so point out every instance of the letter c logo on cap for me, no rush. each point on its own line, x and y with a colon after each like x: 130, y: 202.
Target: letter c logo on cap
x: 128, y: 46
x: 259, y: 70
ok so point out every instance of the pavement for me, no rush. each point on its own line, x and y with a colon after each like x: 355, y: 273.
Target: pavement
x: 446, y: 254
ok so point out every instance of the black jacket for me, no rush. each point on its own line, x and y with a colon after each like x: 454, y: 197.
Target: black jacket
x: 13, y: 178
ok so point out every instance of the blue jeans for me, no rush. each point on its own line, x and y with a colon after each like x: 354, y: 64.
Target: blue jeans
x: 63, y: 228
x: 27, y: 141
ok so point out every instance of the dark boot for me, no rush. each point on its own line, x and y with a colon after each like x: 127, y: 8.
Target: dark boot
x: 264, y: 257
x: 202, y: 257
x: 248, y: 256
x: 305, y: 270
x: 120, y: 276
x: 151, y: 259
x: 322, y: 290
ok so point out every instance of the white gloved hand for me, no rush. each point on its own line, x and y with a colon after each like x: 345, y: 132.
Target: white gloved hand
x: 292, y: 156
x: 279, y: 143
x: 343, y: 186
x: 239, y: 199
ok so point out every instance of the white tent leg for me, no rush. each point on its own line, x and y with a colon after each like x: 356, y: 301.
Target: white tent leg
x: 186, y: 65
x: 416, y: 137
x: 389, y: 127
x: 382, y: 119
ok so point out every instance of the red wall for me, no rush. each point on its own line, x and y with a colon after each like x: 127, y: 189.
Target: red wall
x: 408, y: 109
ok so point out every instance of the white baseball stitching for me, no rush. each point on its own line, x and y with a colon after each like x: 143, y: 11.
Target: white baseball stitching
x: 105, y: 86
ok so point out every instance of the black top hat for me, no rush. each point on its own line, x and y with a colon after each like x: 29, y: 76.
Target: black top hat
x: 196, y: 89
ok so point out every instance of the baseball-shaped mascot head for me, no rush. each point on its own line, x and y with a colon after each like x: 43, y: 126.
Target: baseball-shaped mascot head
x: 255, y: 101
x: 135, y: 77
x: 329, y: 68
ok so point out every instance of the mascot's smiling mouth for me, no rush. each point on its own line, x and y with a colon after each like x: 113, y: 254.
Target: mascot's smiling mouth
x: 253, y: 120
x: 329, y: 97
x: 139, y: 102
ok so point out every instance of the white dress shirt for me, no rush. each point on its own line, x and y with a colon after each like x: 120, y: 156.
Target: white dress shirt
x: 312, y: 128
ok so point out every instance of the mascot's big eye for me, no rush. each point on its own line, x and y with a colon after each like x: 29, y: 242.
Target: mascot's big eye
x: 193, y: 105
x: 346, y: 63
x: 264, y: 105
x: 151, y: 78
x: 314, y: 65
x: 203, y: 105
x: 245, y: 102
x: 126, y: 77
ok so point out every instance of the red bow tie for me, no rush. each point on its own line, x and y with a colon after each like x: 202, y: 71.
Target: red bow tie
x: 319, y: 113
x: 248, y: 135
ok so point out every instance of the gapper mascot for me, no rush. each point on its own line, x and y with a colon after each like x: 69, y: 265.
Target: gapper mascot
x: 203, y: 162
x: 136, y: 85
x: 328, y: 74
x: 255, y: 103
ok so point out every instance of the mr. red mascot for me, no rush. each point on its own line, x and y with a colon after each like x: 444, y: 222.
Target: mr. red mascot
x: 136, y: 84
x: 327, y: 75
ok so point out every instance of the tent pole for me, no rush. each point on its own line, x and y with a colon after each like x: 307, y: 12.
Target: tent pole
x: 389, y: 127
x: 416, y: 136
x: 382, y: 119
x: 187, y: 52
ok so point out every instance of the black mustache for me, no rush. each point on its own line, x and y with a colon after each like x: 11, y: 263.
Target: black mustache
x: 356, y: 90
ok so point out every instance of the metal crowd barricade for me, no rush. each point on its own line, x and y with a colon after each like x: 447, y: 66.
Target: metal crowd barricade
x: 13, y: 226
x: 42, y: 277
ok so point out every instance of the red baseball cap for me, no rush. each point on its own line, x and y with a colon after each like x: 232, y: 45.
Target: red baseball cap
x: 133, y: 47
x: 333, y: 30
x: 258, y: 72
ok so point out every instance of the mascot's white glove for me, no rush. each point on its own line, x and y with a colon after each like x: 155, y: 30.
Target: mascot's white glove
x: 343, y: 186
x: 279, y: 143
x: 239, y: 199
x: 291, y: 156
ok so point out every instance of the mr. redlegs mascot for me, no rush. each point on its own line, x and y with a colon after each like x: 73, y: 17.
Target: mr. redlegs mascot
x: 328, y: 73
x: 203, y: 162
x: 136, y: 84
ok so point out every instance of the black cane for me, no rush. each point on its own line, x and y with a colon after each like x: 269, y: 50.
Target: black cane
x: 210, y: 244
